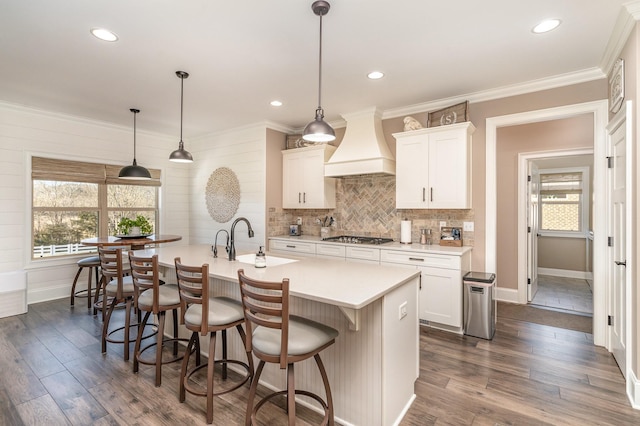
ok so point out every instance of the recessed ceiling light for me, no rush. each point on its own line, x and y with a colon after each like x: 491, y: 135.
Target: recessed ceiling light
x: 546, y: 26
x: 374, y: 75
x: 104, y: 34
x: 276, y: 103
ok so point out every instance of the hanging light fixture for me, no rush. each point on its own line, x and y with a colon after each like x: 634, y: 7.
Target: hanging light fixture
x: 134, y: 171
x: 181, y: 155
x: 318, y: 130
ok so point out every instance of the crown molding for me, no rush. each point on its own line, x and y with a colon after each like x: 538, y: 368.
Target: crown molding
x: 627, y: 19
x: 500, y: 92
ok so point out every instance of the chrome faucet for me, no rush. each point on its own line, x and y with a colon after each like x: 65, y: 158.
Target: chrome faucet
x: 232, y: 247
x: 215, y: 243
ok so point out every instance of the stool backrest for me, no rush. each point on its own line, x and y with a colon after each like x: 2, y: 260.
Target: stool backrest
x: 111, y: 266
x: 146, y: 275
x: 266, y: 304
x: 193, y: 282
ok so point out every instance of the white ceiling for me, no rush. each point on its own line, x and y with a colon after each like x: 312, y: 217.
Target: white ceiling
x: 243, y: 54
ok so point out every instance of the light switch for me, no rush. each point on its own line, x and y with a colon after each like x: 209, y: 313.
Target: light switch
x: 402, y: 310
x: 443, y: 223
x: 467, y: 226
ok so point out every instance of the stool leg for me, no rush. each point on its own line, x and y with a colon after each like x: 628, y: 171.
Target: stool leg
x: 249, y: 355
x: 159, y: 339
x: 136, y: 349
x: 73, y: 286
x: 105, y: 322
x: 185, y: 364
x: 211, y: 364
x: 327, y: 388
x: 127, y: 324
x: 175, y: 332
x: 89, y: 288
x: 224, y: 354
x: 291, y: 395
x: 252, y: 393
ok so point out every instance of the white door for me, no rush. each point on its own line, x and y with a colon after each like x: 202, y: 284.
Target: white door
x: 533, y: 193
x: 617, y: 221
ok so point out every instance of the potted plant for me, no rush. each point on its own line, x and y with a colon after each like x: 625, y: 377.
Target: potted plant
x: 138, y: 226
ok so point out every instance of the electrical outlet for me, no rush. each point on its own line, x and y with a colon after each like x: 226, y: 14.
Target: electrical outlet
x: 299, y: 221
x: 467, y: 226
x: 402, y: 310
x: 443, y: 223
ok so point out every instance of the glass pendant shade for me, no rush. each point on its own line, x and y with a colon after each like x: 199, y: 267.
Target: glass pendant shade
x: 134, y: 172
x: 318, y: 130
x: 181, y: 155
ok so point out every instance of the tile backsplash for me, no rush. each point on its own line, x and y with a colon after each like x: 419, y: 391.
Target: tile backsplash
x: 365, y: 205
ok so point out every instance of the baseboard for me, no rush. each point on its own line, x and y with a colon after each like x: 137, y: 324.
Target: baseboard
x: 506, y: 295
x: 48, y: 293
x: 565, y: 273
x: 633, y: 390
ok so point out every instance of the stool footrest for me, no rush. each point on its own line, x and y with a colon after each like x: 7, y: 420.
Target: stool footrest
x: 197, y: 390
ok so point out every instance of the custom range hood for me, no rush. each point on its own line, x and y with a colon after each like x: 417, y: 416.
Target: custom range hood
x: 363, y: 150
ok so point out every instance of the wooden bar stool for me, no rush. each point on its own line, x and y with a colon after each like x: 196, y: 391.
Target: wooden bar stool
x: 117, y: 289
x: 208, y: 315
x: 93, y: 263
x: 275, y: 336
x: 152, y: 296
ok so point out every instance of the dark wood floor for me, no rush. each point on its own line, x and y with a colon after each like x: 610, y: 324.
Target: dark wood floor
x: 52, y: 373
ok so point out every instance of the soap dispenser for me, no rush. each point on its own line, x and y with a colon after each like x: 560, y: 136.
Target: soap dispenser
x: 261, y: 259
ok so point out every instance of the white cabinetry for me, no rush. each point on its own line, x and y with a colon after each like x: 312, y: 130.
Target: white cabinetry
x: 433, y: 167
x: 303, y: 183
x: 440, y: 297
x: 299, y: 248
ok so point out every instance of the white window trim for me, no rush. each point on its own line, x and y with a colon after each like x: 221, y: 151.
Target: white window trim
x: 584, y: 204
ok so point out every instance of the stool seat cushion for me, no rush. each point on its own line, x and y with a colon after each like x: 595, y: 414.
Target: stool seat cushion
x: 305, y: 336
x: 222, y: 310
x: 127, y: 286
x: 89, y: 262
x: 168, y: 295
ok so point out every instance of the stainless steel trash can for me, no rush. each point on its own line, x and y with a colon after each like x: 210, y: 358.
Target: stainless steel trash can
x: 479, y: 306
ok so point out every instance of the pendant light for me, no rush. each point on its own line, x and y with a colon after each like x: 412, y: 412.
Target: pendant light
x: 134, y: 171
x: 318, y: 130
x: 181, y: 155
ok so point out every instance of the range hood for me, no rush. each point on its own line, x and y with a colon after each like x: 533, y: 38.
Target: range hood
x: 363, y: 150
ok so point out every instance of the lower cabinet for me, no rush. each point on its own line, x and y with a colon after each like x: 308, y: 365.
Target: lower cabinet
x: 440, y: 296
x: 299, y: 248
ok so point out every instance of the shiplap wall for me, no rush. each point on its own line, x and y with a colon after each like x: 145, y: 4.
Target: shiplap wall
x: 26, y: 132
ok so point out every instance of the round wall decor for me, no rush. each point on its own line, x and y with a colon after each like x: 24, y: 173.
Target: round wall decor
x: 223, y: 194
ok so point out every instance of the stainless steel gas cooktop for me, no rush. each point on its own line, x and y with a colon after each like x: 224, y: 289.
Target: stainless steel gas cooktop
x: 351, y: 239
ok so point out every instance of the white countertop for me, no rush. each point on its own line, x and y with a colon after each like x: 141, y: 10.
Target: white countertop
x: 413, y: 248
x: 344, y: 284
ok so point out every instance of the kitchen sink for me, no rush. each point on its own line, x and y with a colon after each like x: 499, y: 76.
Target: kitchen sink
x: 271, y: 260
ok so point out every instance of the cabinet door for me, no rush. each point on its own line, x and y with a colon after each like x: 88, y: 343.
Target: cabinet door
x: 441, y: 296
x: 411, y: 173
x: 313, y: 180
x: 448, y: 170
x: 292, y: 183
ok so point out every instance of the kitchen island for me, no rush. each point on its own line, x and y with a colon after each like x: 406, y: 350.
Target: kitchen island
x: 374, y: 363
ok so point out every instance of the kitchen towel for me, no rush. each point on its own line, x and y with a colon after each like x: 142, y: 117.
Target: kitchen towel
x: 405, y: 232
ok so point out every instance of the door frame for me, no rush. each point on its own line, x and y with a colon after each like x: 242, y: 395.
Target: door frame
x: 523, y: 206
x: 599, y: 109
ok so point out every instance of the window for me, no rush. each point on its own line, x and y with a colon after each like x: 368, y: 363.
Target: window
x: 563, y: 200
x: 74, y: 200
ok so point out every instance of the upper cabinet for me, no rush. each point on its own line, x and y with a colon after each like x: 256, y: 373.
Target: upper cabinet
x: 303, y: 183
x: 433, y: 167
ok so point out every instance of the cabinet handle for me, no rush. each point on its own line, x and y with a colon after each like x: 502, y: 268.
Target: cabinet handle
x: 431, y: 193
x: 299, y: 194
x: 288, y: 246
x: 304, y: 197
x: 423, y: 195
x: 417, y: 259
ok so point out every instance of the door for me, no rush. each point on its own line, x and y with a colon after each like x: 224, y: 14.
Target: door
x: 617, y: 179
x: 533, y: 192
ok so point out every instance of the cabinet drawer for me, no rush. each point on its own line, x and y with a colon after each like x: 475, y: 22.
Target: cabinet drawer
x: 363, y: 253
x: 293, y: 246
x: 421, y: 259
x: 330, y: 250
